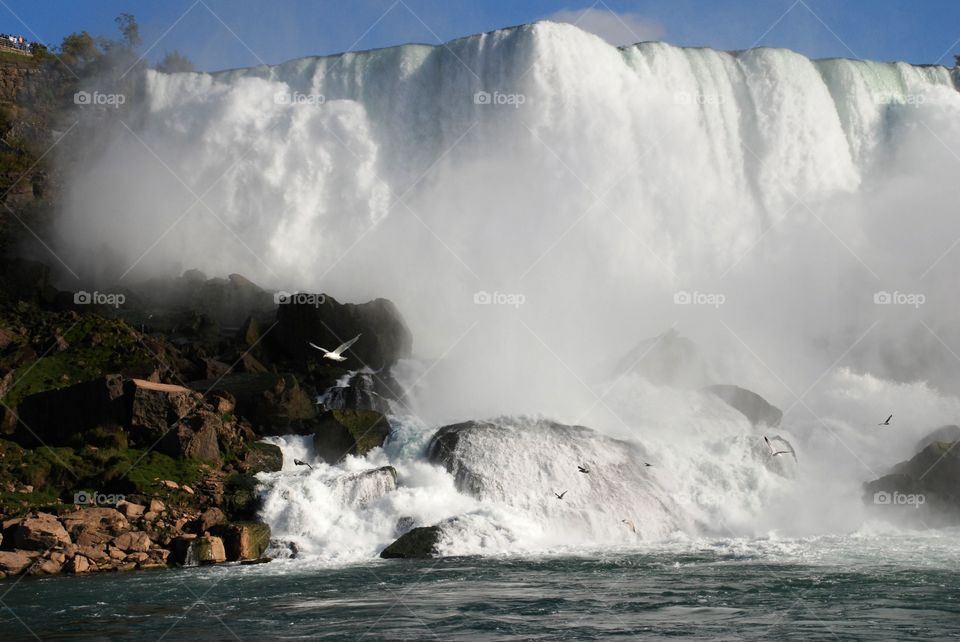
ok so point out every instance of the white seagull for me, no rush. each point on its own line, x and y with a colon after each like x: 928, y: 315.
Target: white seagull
x: 336, y: 355
x: 774, y: 452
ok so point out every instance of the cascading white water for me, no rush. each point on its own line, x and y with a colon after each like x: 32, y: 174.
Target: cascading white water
x: 599, y: 184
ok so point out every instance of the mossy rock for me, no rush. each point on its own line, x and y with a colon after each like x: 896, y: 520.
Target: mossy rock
x: 261, y: 457
x: 241, y: 501
x: 347, y: 431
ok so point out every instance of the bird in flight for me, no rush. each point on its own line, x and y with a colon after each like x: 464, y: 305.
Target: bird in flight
x: 302, y: 463
x: 886, y: 422
x: 773, y: 451
x: 560, y: 495
x: 648, y: 465
x: 336, y: 355
x: 629, y: 524
x: 583, y: 469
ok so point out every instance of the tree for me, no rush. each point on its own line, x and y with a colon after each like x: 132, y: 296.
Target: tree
x: 39, y: 51
x: 129, y: 29
x: 79, y: 49
x: 173, y: 62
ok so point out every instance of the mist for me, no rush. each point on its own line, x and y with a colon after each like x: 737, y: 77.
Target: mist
x: 538, y: 202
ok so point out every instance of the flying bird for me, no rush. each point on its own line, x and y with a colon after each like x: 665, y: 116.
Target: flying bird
x: 560, y: 496
x: 629, y: 524
x: 336, y: 355
x: 773, y: 451
x: 648, y: 465
x: 302, y: 463
x: 887, y: 422
x: 583, y: 469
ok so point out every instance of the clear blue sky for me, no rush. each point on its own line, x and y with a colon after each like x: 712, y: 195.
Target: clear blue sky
x: 218, y: 34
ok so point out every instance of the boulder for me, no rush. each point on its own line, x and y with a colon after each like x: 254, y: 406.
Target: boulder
x: 94, y: 520
x: 79, y: 564
x: 208, y: 519
x: 209, y: 550
x: 133, y: 542
x: 384, y: 339
x: 353, y: 432
x: 194, y: 437
x: 130, y: 510
x: 758, y: 410
x: 155, y: 408
x: 948, y: 434
x: 926, y: 486
x: 274, y: 403
x: 39, y: 532
x: 418, y: 543
x: 363, y: 391
x: 54, y: 417
x: 45, y: 567
x: 359, y: 489
x: 261, y: 458
x: 667, y: 360
x: 241, y: 501
x: 14, y: 562
x: 243, y: 540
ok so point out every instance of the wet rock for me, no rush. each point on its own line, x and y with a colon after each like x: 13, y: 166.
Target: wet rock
x: 353, y: 432
x: 418, y: 543
x: 754, y: 407
x: 243, y: 540
x: 947, y: 434
x: 79, y: 564
x: 385, y: 337
x: 209, y: 550
x: 262, y: 457
x: 924, y: 489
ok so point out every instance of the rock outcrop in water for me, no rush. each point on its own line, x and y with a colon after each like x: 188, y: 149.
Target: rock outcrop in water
x: 924, y: 489
x: 349, y: 432
x: 758, y: 410
x: 418, y: 543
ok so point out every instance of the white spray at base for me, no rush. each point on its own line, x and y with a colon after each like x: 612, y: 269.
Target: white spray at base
x: 760, y: 202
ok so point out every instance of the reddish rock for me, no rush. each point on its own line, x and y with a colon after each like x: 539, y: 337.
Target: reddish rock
x: 194, y: 437
x: 155, y: 407
x: 95, y: 519
x: 156, y: 506
x: 14, y: 562
x: 79, y: 564
x: 133, y: 541
x: 130, y: 510
x: 40, y: 532
x: 208, y: 519
x: 45, y: 567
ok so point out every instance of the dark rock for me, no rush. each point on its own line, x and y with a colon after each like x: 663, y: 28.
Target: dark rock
x: 667, y: 360
x: 194, y: 437
x: 262, y: 458
x: 274, y: 403
x: 155, y: 408
x: 757, y: 409
x: 56, y: 416
x: 353, y: 432
x: 364, y: 391
x: 948, y: 434
x: 241, y: 501
x: 926, y: 487
x: 384, y: 339
x: 419, y: 543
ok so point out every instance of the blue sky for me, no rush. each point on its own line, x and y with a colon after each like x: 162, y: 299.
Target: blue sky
x: 219, y: 34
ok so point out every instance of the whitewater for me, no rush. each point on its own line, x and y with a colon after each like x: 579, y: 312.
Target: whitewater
x: 582, y: 234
